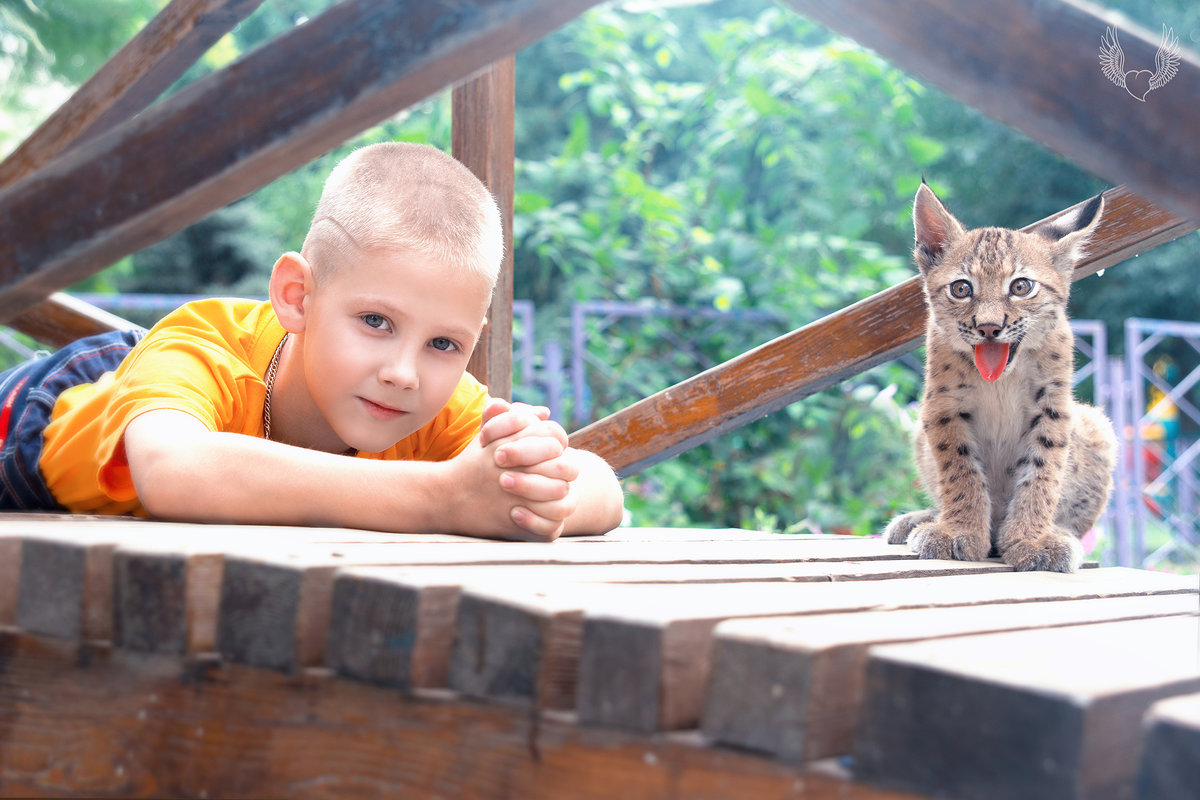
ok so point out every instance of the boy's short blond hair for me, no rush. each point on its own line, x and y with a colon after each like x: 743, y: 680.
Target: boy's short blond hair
x: 399, y: 195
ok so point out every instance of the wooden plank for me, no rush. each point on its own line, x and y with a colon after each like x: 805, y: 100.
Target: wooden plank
x: 138, y: 725
x: 65, y: 588
x: 793, y: 687
x: 644, y: 663
x: 396, y: 633
x: 826, y: 351
x: 1040, y: 73
x: 482, y: 136
x: 1170, y: 759
x: 275, y: 606
x: 166, y: 602
x: 494, y: 641
x: 396, y: 625
x: 1035, y: 714
x: 10, y: 579
x: 61, y: 319
x: 236, y: 130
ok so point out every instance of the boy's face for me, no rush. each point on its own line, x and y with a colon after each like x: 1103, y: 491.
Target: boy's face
x: 387, y: 337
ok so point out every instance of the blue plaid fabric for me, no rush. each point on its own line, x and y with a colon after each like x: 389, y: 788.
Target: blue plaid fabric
x: 28, y: 393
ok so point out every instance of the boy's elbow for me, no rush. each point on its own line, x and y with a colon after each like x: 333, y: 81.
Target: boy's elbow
x: 607, y: 500
x: 162, y: 476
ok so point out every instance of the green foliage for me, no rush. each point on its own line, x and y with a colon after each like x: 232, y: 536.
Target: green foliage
x: 47, y: 47
x: 728, y: 155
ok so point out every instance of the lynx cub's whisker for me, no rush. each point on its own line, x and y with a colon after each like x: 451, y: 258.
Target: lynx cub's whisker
x: 1013, y: 463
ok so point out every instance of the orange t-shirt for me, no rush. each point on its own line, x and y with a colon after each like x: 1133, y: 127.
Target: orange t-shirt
x: 207, y: 359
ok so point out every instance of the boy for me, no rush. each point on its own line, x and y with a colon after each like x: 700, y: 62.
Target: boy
x: 246, y: 412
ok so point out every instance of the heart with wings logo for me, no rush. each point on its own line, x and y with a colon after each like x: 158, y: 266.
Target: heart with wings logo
x: 1139, y: 82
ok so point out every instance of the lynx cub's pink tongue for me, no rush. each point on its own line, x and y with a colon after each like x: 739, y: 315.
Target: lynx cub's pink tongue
x: 990, y: 359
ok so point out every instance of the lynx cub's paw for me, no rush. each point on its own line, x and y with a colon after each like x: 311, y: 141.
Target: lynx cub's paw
x: 1056, y: 551
x: 937, y: 540
x: 900, y: 527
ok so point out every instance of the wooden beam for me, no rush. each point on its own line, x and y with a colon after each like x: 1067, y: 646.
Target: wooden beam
x: 82, y: 720
x: 483, y: 139
x: 1035, y: 65
x: 61, y: 319
x: 236, y: 130
x: 1047, y: 732
x: 131, y: 80
x: 824, y: 352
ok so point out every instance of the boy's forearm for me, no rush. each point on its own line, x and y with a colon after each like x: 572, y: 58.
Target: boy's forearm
x: 227, y: 477
x: 601, y: 501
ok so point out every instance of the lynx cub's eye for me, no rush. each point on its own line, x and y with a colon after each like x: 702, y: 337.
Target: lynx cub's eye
x: 1021, y: 287
x: 961, y: 290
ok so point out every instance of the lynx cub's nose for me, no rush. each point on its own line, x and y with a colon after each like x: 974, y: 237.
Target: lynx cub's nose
x: 989, y: 331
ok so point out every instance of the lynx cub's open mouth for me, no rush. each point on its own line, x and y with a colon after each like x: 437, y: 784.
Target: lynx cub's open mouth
x: 991, y: 358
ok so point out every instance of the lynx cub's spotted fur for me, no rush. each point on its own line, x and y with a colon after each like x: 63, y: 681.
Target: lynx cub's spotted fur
x: 1012, y: 462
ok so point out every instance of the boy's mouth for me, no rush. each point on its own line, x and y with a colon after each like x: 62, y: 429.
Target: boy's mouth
x: 381, y: 411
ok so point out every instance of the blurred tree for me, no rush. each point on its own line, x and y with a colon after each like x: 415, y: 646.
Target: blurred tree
x: 729, y: 155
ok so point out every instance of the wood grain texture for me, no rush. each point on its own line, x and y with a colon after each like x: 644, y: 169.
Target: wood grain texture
x: 482, y: 136
x: 61, y: 319
x: 236, y: 130
x: 1035, y: 714
x: 65, y: 588
x: 1170, y: 754
x: 793, y: 687
x: 663, y: 686
x: 1036, y: 67
x: 131, y: 80
x: 108, y: 723
x: 396, y: 633
x: 515, y: 651
x: 274, y: 615
x: 824, y: 352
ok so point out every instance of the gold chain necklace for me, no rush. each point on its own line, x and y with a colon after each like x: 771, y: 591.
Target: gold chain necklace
x: 270, y: 385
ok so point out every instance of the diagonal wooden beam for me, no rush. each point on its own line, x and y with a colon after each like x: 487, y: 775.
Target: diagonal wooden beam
x: 236, y: 130
x: 1035, y: 65
x: 130, y: 80
x: 825, y: 352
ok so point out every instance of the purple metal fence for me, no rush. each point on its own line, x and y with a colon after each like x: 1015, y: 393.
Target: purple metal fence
x: 1154, y: 513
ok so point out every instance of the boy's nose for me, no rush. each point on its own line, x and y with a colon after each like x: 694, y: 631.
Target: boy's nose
x: 401, y: 371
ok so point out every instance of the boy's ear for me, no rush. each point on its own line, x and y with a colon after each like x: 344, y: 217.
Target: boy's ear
x: 291, y: 283
x: 935, y: 228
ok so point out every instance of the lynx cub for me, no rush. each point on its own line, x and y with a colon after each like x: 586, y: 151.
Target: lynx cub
x: 1013, y: 463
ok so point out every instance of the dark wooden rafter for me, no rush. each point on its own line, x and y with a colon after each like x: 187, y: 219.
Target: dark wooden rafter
x: 823, y: 353
x: 238, y: 129
x: 131, y: 80
x: 1035, y: 65
x: 483, y: 136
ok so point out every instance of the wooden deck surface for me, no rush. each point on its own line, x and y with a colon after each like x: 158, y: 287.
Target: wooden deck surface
x: 151, y: 659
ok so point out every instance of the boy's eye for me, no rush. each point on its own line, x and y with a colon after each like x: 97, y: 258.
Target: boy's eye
x: 961, y: 289
x: 443, y: 344
x: 377, y: 321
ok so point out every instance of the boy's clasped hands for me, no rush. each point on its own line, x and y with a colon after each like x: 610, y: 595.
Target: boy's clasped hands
x: 525, y: 467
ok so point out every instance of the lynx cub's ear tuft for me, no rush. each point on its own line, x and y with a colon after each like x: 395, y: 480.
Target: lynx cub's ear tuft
x: 935, y: 227
x: 1070, y: 233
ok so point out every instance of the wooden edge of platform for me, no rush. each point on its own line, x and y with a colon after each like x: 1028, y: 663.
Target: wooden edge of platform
x: 168, y: 726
